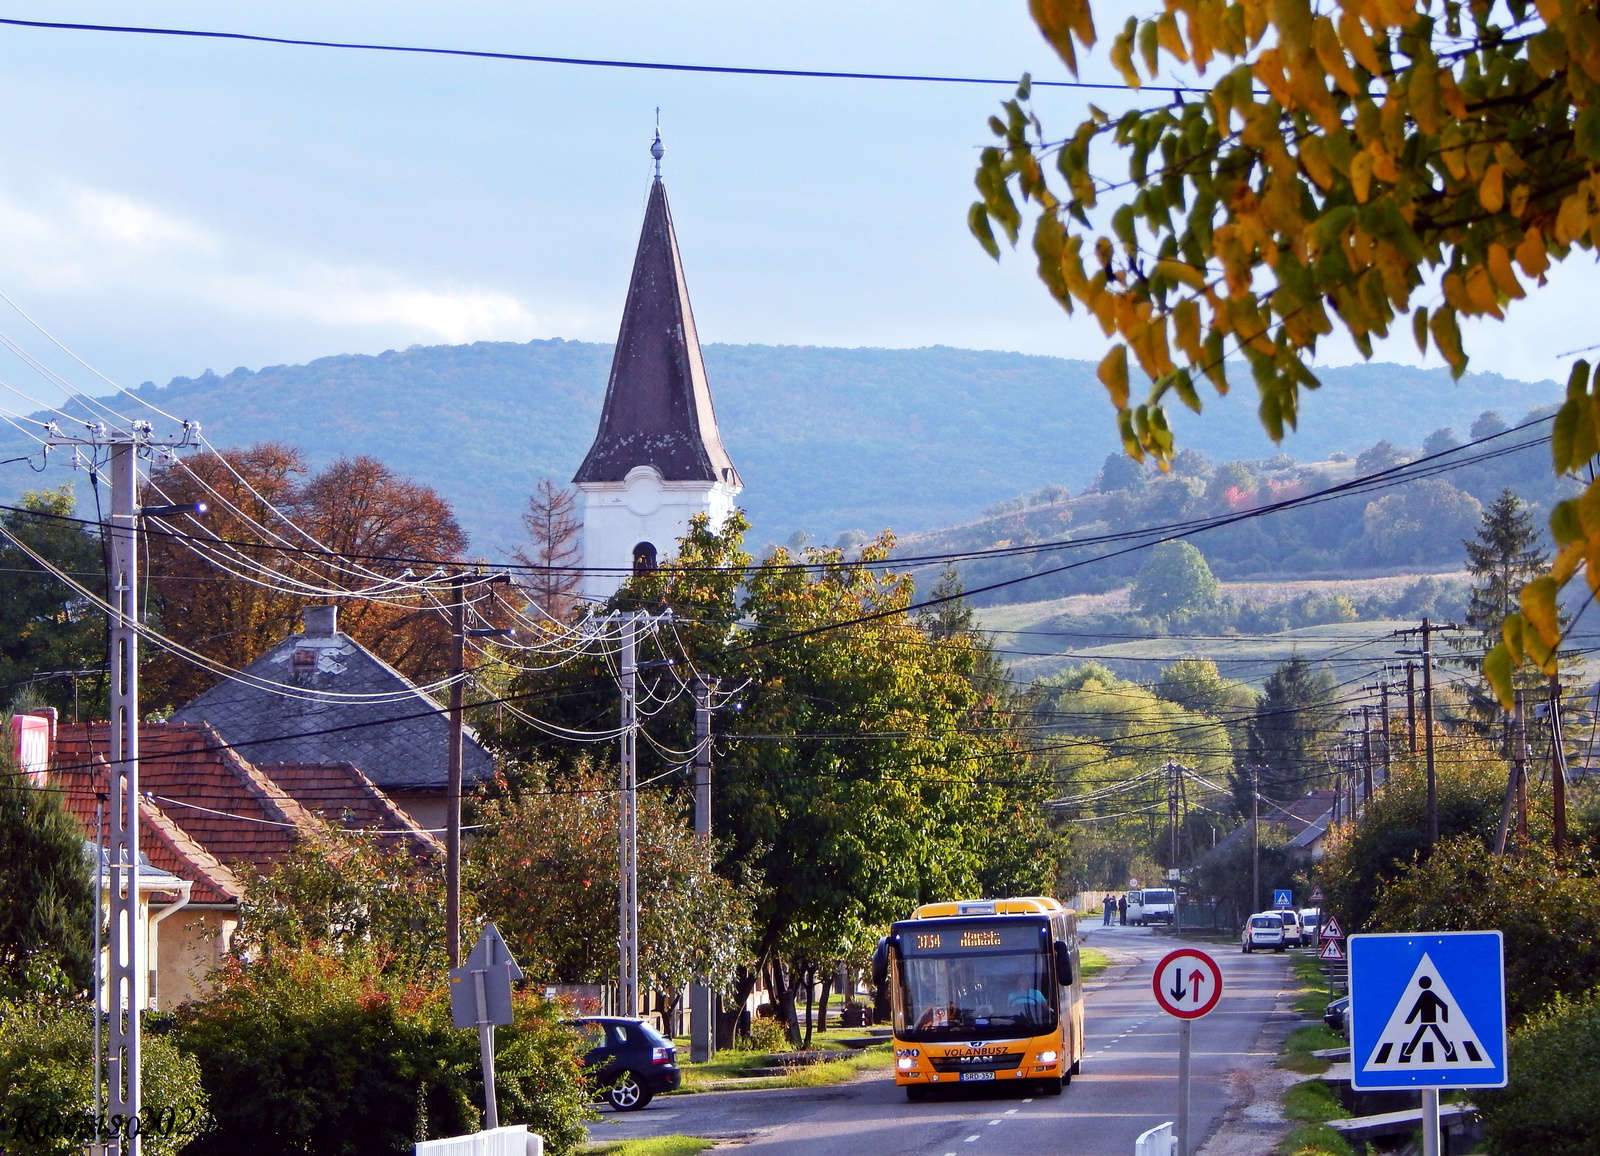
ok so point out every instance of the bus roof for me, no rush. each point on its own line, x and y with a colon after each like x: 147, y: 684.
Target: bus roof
x: 1022, y: 905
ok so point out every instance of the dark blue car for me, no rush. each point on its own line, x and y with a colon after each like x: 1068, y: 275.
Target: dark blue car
x: 629, y: 1061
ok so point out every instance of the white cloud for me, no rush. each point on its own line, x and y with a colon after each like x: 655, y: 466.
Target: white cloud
x: 75, y: 240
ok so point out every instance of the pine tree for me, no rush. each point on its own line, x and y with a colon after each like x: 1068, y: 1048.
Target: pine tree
x: 1294, y: 716
x: 553, y: 526
x: 1503, y: 556
x: 45, y: 876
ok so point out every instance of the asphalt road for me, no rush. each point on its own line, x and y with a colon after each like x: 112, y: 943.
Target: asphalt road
x: 1129, y: 1081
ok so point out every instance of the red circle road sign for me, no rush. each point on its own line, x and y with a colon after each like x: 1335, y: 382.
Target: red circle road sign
x: 1187, y: 983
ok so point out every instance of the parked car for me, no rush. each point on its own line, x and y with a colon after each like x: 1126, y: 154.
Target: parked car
x: 1310, y: 924
x: 1262, y: 930
x: 1336, y: 1015
x: 1293, y: 933
x: 631, y: 1063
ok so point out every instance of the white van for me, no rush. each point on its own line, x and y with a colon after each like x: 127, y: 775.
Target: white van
x: 1152, y: 905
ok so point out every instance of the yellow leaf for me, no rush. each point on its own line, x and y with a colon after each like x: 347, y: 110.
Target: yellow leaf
x: 1422, y: 94
x: 1481, y: 291
x: 1519, y: 200
x: 1539, y: 608
x: 1168, y: 36
x: 1572, y: 221
x: 1113, y: 374
x: 1450, y: 95
x: 1382, y: 164
x: 1184, y: 272
x: 1059, y: 20
x: 1325, y: 40
x: 1357, y: 42
x: 1491, y: 191
x: 1361, y: 175
x: 1505, y: 277
x: 1314, y: 159
x: 1122, y: 54
x: 1497, y: 668
x: 1531, y: 253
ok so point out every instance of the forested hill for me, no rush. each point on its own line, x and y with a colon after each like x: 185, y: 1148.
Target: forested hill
x: 827, y: 440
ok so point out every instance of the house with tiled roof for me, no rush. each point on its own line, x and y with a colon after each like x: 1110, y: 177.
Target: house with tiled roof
x: 209, y: 817
x: 320, y: 698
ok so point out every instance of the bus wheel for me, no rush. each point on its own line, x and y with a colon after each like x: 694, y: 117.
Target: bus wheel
x: 1077, y: 1067
x: 916, y: 1093
x: 1051, y: 1087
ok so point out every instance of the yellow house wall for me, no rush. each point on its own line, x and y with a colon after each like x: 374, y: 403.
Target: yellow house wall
x: 190, y: 943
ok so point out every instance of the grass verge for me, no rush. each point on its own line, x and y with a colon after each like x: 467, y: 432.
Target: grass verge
x: 1311, y: 1103
x: 723, y: 1072
x: 1316, y: 1140
x: 1315, y: 991
x: 1092, y: 962
x: 654, y: 1146
x: 1302, y: 1042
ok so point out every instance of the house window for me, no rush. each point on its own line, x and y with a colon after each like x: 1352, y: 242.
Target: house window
x: 644, y: 558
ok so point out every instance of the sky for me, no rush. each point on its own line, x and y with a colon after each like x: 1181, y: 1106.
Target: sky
x: 168, y: 206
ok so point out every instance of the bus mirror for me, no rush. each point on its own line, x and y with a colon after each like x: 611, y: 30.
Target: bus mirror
x: 880, y: 964
x: 1063, y: 964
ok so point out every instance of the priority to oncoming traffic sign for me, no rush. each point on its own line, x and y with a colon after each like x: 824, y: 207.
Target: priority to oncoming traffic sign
x: 1427, y: 1010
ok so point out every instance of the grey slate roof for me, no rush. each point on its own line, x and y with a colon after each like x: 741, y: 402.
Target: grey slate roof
x: 401, y: 745
x: 658, y: 404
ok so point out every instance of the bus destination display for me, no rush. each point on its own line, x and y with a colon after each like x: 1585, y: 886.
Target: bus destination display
x: 953, y: 939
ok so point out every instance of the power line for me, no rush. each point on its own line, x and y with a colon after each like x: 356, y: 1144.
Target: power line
x: 580, y: 61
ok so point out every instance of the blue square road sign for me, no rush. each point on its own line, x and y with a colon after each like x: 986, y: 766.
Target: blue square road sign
x: 1428, y: 1010
x: 1283, y: 897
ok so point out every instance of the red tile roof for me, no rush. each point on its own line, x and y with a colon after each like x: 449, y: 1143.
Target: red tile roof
x: 208, y: 810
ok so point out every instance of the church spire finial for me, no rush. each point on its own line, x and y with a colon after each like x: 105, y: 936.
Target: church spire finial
x: 656, y: 149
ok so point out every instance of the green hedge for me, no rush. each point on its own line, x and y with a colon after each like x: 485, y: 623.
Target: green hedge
x: 1552, y: 1105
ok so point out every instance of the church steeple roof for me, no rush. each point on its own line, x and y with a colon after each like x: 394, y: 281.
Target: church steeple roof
x: 658, y: 403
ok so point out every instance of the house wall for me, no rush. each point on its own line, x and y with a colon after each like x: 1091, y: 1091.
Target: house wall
x: 427, y: 811
x: 189, y: 945
x: 642, y: 508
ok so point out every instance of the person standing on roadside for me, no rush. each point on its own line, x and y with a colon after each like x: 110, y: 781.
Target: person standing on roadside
x: 1122, y: 909
x: 1108, y: 905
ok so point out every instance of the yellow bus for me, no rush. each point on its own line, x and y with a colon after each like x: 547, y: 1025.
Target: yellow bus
x: 984, y: 990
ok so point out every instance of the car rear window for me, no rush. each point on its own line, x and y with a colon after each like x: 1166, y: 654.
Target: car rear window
x: 1266, y: 921
x: 655, y: 1037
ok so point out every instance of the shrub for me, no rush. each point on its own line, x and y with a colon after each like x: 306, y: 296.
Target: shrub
x: 1552, y: 1105
x: 768, y: 1035
x: 313, y: 1054
x: 46, y: 1079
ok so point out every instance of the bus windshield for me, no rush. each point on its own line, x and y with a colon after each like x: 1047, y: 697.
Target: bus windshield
x: 961, y: 984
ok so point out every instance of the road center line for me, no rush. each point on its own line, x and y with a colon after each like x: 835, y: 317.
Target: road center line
x: 971, y: 1139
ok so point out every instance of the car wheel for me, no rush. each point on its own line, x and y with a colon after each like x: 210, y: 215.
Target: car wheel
x: 916, y: 1093
x: 627, y: 1094
x: 1278, y: 948
x: 1051, y: 1087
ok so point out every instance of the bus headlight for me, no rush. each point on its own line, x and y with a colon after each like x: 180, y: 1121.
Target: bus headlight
x: 905, y: 1063
x: 1048, y: 1057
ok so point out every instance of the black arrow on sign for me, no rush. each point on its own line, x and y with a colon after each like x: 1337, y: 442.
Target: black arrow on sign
x: 1177, y: 983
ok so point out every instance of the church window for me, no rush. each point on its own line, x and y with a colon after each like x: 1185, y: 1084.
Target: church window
x: 644, y: 557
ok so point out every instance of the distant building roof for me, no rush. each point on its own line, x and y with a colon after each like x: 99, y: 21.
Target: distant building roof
x: 400, y: 743
x: 658, y: 409
x: 208, y: 811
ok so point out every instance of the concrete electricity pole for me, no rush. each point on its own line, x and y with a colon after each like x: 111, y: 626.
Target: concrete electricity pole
x: 702, y: 1002
x: 628, y: 828
x: 128, y: 969
x: 1558, y: 768
x: 1427, y: 630
x: 452, y: 818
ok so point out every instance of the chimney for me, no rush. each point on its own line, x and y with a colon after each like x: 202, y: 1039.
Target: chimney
x: 321, y: 621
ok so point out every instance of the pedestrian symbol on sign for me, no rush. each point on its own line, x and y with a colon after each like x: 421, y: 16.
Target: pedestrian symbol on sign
x: 1427, y: 1029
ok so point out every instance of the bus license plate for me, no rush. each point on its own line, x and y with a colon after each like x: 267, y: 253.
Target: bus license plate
x: 966, y: 1076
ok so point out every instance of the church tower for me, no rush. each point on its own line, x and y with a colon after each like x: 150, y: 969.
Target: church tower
x: 657, y: 459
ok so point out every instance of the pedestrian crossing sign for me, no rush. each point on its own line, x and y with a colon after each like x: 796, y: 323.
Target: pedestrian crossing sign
x: 1427, y: 1010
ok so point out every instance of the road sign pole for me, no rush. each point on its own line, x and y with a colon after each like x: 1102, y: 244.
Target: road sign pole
x: 486, y: 1049
x: 1185, y: 1028
x: 1430, y: 1122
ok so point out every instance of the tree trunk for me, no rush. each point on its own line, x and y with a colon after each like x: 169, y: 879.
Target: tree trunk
x: 790, y: 996
x: 822, y: 1017
x: 744, y: 982
x: 811, y: 987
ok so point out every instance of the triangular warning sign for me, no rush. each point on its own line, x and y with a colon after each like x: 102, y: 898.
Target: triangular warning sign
x: 1427, y: 1030
x: 1331, y: 929
x: 1331, y: 950
x: 1316, y: 895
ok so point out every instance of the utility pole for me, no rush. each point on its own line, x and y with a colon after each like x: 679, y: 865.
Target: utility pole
x: 1427, y: 630
x: 628, y: 930
x: 1366, y: 752
x: 1558, y: 767
x: 1172, y: 813
x: 1513, y: 782
x: 1255, y: 836
x: 1383, y: 719
x: 1411, y: 705
x: 128, y: 968
x: 1522, y: 775
x: 702, y: 1007
x: 452, y: 820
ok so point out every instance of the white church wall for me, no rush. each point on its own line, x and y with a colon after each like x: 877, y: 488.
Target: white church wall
x: 617, y: 516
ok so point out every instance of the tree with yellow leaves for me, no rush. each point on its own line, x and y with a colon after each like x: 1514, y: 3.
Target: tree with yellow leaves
x: 1340, y: 156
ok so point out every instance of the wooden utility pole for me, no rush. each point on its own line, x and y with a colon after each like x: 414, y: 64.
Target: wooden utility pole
x: 1383, y: 718
x: 1255, y: 837
x: 1514, y: 792
x: 1427, y: 738
x: 1366, y: 753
